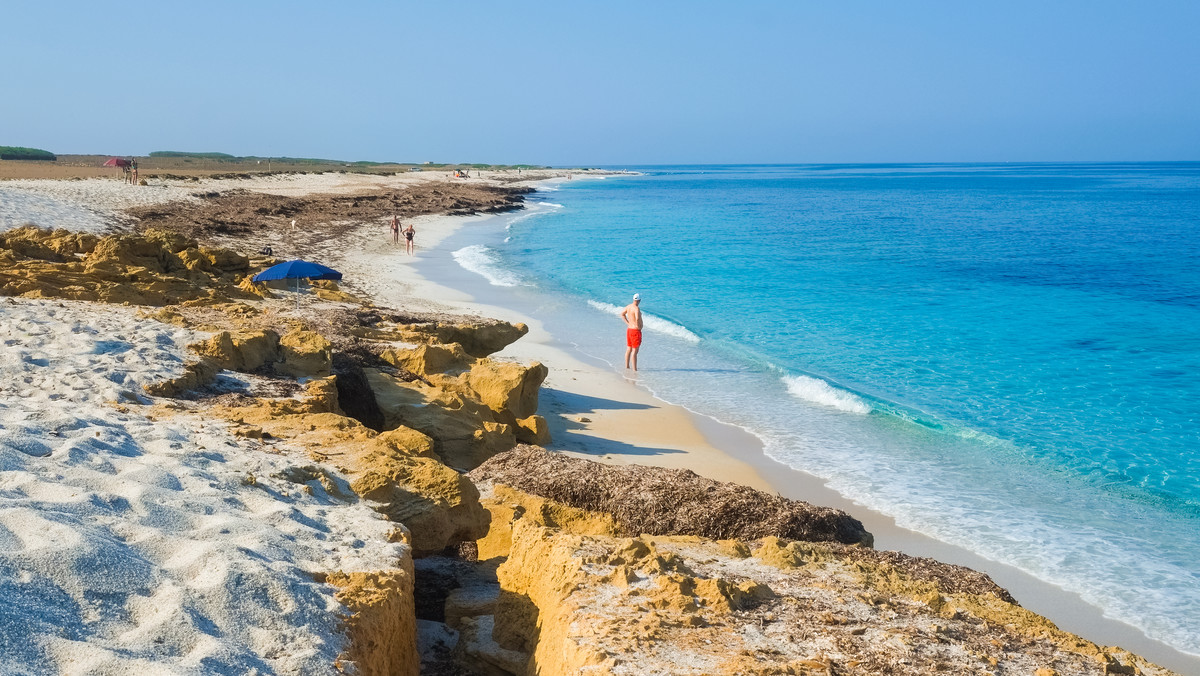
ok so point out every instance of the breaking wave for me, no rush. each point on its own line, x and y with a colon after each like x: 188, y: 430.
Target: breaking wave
x: 652, y: 323
x: 482, y: 261
x: 818, y: 391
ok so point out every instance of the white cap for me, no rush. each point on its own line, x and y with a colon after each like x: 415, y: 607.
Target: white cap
x: 637, y: 296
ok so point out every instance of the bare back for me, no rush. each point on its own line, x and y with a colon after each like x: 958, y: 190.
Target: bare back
x: 632, y: 315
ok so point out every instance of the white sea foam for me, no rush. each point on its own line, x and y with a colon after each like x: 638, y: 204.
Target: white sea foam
x: 818, y: 391
x: 531, y: 209
x: 652, y: 323
x: 482, y: 261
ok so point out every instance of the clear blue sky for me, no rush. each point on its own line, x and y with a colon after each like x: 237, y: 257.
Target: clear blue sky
x: 591, y: 83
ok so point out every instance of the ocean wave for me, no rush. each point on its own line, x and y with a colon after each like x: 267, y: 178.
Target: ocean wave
x: 818, y: 391
x: 652, y: 323
x: 482, y: 261
x: 531, y: 210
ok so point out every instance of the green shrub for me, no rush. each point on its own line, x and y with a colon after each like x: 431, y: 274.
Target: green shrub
x: 19, y: 153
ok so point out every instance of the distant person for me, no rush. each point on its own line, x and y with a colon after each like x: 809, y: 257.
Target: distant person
x: 408, y: 239
x: 293, y: 224
x: 632, y: 314
x: 133, y: 179
x: 395, y: 230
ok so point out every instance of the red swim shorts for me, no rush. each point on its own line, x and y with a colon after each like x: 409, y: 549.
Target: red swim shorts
x: 633, y: 337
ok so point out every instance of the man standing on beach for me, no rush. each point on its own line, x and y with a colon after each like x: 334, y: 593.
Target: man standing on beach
x: 632, y: 315
x: 395, y: 230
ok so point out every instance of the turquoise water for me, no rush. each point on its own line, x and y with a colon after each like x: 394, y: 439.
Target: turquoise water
x: 1005, y: 357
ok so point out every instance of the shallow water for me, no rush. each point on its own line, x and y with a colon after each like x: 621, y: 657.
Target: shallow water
x: 1004, y: 357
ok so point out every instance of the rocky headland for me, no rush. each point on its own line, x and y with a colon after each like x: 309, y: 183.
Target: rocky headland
x: 505, y: 558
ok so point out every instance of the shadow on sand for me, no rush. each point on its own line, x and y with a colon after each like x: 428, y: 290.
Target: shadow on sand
x: 564, y: 410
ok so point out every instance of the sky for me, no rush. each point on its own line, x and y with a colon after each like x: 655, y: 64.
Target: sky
x: 608, y: 83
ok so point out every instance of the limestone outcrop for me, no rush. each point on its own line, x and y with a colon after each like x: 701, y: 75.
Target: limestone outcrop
x: 382, y: 622
x: 395, y: 469
x: 659, y: 501
x: 478, y: 339
x: 301, y: 354
x: 242, y: 351
x: 465, y: 431
x: 195, y: 375
x: 509, y: 392
x: 509, y: 389
x: 572, y: 603
x: 153, y: 268
x: 305, y: 354
x: 429, y: 359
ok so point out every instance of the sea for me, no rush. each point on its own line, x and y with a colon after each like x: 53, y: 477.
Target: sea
x: 1005, y: 357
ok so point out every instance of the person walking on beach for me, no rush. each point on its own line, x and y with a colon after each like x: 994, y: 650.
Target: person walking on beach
x: 408, y: 237
x: 395, y: 230
x: 632, y: 314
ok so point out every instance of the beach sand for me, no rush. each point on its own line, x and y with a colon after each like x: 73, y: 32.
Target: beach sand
x: 138, y: 543
x: 596, y: 412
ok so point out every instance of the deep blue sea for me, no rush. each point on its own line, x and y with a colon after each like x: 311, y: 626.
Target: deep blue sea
x: 1004, y: 357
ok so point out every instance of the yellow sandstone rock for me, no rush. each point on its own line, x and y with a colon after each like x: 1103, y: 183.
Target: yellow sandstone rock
x: 305, y: 354
x: 195, y: 374
x: 533, y: 430
x: 382, y: 623
x: 439, y: 506
x: 430, y: 359
x: 506, y: 505
x: 595, y: 604
x: 464, y: 431
x: 479, y: 340
x: 509, y: 389
x: 245, y: 351
x: 153, y: 268
x: 775, y: 552
x: 408, y: 441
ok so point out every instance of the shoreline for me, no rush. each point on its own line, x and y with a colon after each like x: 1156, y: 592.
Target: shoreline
x: 626, y: 424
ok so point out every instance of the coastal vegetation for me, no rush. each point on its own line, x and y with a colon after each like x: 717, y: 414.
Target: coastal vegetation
x: 20, y: 153
x: 283, y: 160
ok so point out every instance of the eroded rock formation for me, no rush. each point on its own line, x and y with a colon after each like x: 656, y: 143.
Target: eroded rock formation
x: 154, y: 268
x: 576, y: 596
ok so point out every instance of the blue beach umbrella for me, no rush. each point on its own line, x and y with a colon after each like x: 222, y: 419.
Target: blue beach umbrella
x: 296, y: 269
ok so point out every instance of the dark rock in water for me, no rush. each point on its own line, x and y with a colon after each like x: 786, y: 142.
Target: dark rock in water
x: 658, y: 501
